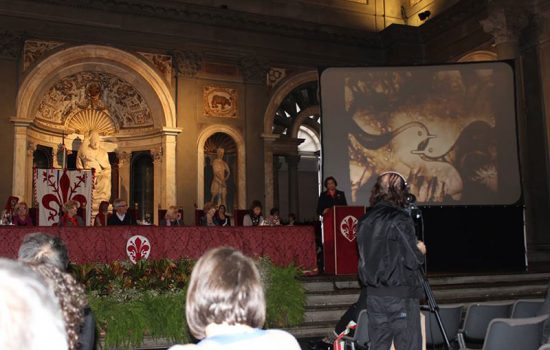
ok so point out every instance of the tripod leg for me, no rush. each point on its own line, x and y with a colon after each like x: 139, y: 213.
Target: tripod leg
x: 434, y: 307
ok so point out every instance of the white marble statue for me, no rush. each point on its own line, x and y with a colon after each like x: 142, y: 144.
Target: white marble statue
x: 221, y: 173
x: 92, y: 156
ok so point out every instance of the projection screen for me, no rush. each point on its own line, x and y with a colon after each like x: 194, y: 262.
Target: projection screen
x: 449, y: 129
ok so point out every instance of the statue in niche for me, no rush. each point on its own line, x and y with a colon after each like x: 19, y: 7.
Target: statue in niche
x: 221, y: 172
x: 92, y: 156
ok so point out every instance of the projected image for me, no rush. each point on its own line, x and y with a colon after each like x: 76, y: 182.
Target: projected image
x: 437, y: 126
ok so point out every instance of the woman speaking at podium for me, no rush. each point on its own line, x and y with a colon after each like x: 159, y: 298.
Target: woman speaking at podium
x: 330, y: 197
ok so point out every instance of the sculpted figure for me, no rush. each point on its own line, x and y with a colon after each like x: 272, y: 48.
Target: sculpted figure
x: 92, y: 156
x: 221, y: 173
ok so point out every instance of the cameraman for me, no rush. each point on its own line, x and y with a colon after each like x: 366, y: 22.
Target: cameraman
x: 389, y: 259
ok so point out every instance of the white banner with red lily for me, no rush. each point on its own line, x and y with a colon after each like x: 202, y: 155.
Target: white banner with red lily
x: 54, y: 187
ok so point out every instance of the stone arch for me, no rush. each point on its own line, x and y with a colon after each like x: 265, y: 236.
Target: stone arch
x: 152, y: 87
x: 282, y: 90
x: 98, y: 58
x: 302, y: 117
x: 241, y: 165
x: 479, y: 55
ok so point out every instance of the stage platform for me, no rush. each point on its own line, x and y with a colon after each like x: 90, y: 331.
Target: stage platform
x: 284, y: 245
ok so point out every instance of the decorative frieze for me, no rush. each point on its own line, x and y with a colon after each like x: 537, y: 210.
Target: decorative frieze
x: 34, y: 50
x: 220, y: 102
x: 188, y: 63
x: 253, y: 69
x: 162, y: 62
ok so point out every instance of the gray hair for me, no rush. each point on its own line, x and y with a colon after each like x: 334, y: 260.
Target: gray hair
x: 41, y: 248
x: 30, y: 316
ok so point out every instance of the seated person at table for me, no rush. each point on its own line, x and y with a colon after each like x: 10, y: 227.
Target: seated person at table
x: 172, y: 217
x: 254, y: 217
x: 273, y: 219
x: 69, y: 218
x: 291, y: 219
x: 225, y: 305
x: 330, y: 197
x: 208, y: 217
x: 221, y: 219
x: 121, y: 216
x: 102, y: 215
x: 21, y: 215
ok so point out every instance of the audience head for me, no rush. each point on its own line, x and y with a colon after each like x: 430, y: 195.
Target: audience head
x: 103, y: 207
x: 41, y: 248
x: 330, y: 183
x: 225, y: 288
x: 70, y: 208
x: 390, y: 187
x: 30, y: 317
x: 171, y: 213
x: 256, y: 208
x: 221, y: 209
x: 21, y: 209
x: 71, y: 297
x: 209, y: 208
x: 291, y: 217
x: 120, y: 206
x: 274, y: 212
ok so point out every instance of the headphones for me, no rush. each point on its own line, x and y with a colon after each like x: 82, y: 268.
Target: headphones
x: 391, y: 172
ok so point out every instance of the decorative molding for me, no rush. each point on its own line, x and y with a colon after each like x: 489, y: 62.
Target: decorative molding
x: 161, y: 62
x: 157, y: 153
x: 220, y: 102
x: 188, y: 63
x: 275, y: 75
x: 95, y: 91
x: 253, y: 70
x: 34, y: 50
x: 10, y: 44
x: 31, y: 147
x: 123, y: 158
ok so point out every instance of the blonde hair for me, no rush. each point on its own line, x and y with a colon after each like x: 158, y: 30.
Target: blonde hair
x: 70, y: 205
x: 208, y: 206
x: 171, y: 213
x: 19, y: 205
x: 225, y: 287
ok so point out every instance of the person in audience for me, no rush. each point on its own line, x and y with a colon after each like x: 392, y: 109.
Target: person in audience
x: 273, y: 219
x: 48, y: 256
x: 21, y: 215
x: 254, y: 217
x: 330, y: 197
x: 221, y: 218
x: 30, y: 316
x: 291, y: 219
x: 172, y: 217
x: 102, y: 215
x: 225, y: 305
x: 208, y: 219
x: 70, y: 218
x: 121, y: 216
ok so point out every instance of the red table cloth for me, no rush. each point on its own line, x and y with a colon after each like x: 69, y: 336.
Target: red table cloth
x: 284, y: 245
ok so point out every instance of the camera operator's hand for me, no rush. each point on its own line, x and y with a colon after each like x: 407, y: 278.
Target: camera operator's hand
x: 421, y: 246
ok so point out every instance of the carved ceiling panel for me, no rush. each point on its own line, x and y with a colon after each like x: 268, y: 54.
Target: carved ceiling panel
x: 95, y: 91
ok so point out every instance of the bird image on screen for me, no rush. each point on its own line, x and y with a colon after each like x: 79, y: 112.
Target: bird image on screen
x: 449, y: 129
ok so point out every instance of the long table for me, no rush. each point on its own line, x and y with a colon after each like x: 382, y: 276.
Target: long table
x: 284, y: 245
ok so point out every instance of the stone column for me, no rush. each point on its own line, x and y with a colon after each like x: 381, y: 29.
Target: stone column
x: 31, y: 147
x: 20, y: 169
x: 124, y: 160
x: 168, y: 169
x: 159, y: 190
x: 293, y: 195
x: 268, y: 166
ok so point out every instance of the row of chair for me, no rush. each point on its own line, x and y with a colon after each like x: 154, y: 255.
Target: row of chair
x: 502, y: 326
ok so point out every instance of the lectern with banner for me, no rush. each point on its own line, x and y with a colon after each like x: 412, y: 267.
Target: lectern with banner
x: 339, y: 239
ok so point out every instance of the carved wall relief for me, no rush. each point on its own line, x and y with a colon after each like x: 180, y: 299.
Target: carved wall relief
x: 34, y: 50
x: 220, y: 102
x: 95, y: 91
x: 162, y: 62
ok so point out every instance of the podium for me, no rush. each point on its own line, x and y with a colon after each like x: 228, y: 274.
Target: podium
x: 340, y: 225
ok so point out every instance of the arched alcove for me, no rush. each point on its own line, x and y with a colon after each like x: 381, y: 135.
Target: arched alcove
x: 141, y: 185
x: 240, y: 180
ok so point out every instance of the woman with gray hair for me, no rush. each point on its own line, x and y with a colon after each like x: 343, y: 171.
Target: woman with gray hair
x: 226, y: 305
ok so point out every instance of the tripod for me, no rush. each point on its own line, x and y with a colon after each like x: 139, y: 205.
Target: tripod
x: 432, y: 305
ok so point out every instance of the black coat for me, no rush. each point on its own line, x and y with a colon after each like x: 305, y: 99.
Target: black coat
x: 389, y: 259
x: 326, y: 201
x: 113, y: 220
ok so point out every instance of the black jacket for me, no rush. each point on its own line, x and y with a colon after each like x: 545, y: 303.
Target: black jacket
x: 327, y: 201
x: 388, y: 255
x: 113, y: 220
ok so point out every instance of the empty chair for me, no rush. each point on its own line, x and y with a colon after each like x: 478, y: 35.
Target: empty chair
x: 360, y: 338
x: 451, y: 315
x: 514, y: 333
x: 524, y: 308
x: 477, y: 320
